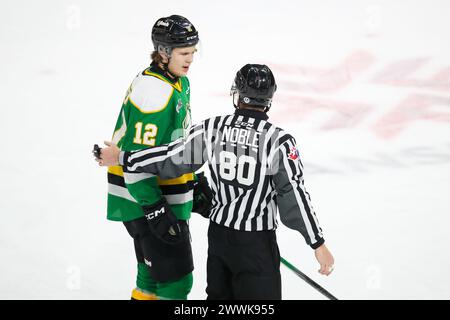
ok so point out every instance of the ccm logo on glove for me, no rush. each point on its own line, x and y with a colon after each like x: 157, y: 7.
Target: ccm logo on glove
x: 155, y: 213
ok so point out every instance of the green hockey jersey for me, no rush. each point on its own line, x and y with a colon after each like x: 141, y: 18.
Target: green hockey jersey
x: 155, y: 111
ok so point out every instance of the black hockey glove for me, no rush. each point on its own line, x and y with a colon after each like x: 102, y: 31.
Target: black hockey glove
x: 162, y: 222
x: 203, y: 196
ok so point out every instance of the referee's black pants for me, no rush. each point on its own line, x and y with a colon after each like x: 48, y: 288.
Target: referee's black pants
x: 242, y: 264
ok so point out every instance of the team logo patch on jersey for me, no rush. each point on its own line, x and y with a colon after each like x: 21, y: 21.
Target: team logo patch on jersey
x: 179, y: 106
x: 293, y: 154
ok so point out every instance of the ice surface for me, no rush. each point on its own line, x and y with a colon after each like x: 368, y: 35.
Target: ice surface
x: 364, y: 86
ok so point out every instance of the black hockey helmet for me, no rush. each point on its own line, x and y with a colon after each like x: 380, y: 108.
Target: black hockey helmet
x: 173, y: 32
x: 255, y: 85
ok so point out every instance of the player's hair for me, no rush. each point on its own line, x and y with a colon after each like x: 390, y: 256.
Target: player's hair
x: 156, y: 57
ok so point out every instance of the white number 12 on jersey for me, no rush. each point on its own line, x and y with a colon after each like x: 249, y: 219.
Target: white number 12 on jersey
x: 150, y: 133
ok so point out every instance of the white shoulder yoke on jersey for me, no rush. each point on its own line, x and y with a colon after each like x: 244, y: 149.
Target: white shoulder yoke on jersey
x: 150, y: 94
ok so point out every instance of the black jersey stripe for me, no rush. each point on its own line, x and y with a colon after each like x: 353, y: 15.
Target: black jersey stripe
x: 116, y: 180
x: 177, y: 188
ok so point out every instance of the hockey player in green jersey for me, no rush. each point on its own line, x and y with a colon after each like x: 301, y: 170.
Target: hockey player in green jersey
x: 155, y: 212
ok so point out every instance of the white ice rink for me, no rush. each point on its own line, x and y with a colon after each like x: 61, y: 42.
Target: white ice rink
x: 364, y: 86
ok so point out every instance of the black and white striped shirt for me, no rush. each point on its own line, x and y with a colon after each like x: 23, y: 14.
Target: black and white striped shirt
x: 255, y: 168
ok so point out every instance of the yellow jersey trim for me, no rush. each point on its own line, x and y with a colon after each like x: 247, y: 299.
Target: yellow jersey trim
x: 177, y: 85
x: 180, y: 180
x: 117, y: 170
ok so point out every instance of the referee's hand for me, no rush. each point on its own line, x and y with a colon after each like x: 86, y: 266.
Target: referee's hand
x: 109, y: 156
x: 326, y: 260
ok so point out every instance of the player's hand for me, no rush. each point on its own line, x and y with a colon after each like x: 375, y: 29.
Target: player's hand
x: 203, y: 196
x: 109, y: 156
x: 162, y: 222
x: 325, y: 259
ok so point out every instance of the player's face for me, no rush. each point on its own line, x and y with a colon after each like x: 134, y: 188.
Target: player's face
x: 180, y: 60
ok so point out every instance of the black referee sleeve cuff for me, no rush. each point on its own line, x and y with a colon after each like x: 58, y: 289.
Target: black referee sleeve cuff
x: 318, y: 243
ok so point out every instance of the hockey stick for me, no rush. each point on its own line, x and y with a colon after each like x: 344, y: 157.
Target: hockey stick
x: 308, y: 280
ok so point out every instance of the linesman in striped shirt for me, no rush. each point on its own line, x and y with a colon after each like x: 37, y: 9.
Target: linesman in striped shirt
x: 255, y: 169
